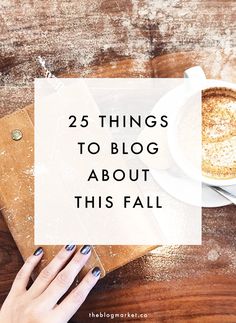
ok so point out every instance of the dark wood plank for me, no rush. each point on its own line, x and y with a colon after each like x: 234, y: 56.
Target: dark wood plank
x: 10, y: 260
x: 177, y: 284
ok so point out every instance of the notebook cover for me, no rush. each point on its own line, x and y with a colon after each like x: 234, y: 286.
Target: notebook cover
x: 17, y: 197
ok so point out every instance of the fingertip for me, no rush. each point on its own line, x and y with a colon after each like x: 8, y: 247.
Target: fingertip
x: 96, y: 272
x: 85, y: 250
x: 38, y: 252
x: 70, y: 247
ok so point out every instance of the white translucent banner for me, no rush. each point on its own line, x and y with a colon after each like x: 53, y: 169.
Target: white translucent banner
x: 117, y: 161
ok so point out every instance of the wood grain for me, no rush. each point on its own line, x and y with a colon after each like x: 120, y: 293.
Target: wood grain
x: 77, y: 35
x: 138, y: 38
x: 174, y: 284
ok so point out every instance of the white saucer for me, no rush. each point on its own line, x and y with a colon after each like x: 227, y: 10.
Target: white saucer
x: 171, y: 181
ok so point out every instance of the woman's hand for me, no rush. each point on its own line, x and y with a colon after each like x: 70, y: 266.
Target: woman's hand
x: 38, y: 304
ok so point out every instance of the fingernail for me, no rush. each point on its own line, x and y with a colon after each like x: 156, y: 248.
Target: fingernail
x: 69, y: 247
x: 38, y: 251
x: 96, y: 271
x: 85, y: 249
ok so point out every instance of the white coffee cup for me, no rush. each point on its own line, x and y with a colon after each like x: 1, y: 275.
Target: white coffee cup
x: 198, y: 82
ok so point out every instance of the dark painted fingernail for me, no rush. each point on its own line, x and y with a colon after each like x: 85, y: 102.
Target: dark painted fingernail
x: 70, y: 247
x: 85, y: 249
x: 38, y: 251
x: 96, y: 271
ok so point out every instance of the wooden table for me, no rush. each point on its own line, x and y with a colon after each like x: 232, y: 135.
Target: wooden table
x: 138, y: 38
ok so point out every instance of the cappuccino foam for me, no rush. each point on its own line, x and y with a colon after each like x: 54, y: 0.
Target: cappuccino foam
x: 219, y: 133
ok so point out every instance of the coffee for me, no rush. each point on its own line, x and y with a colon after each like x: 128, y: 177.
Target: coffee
x: 219, y: 133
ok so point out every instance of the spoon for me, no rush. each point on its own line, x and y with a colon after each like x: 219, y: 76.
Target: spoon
x: 231, y: 197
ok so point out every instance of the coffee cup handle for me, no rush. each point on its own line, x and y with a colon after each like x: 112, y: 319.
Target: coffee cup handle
x: 195, y: 78
x: 195, y: 72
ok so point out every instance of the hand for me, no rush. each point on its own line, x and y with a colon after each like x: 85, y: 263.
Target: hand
x: 38, y: 304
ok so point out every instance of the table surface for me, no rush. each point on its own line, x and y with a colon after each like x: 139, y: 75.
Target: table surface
x: 136, y: 38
